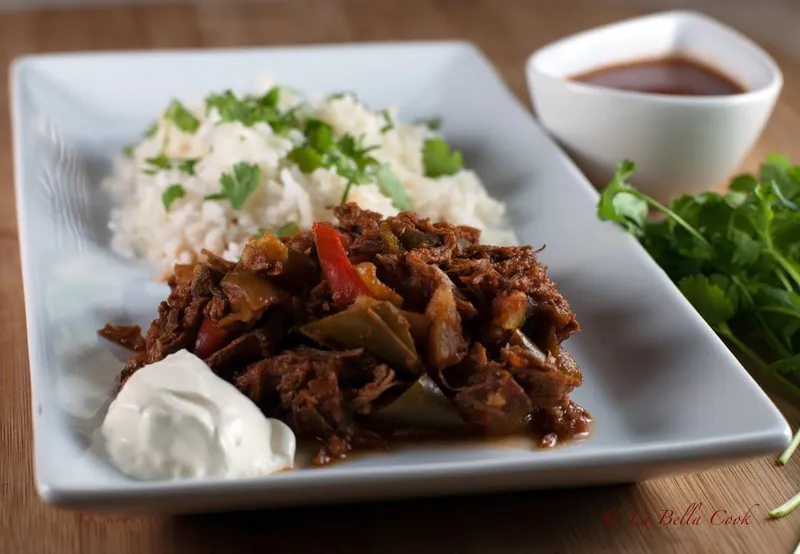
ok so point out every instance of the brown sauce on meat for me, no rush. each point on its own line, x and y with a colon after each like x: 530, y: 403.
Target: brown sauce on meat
x: 572, y: 425
x: 437, y: 332
x: 677, y: 76
x: 530, y: 439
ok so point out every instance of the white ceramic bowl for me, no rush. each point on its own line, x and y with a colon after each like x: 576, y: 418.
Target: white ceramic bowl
x: 681, y: 144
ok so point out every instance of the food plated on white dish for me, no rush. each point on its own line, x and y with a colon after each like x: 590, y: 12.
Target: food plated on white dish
x: 680, y: 93
x: 210, y: 173
x: 664, y: 393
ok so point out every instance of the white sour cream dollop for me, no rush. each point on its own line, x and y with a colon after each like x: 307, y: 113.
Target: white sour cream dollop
x: 175, y: 419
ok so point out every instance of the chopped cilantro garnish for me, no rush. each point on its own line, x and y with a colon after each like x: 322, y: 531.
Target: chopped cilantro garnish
x: 181, y: 117
x: 354, y: 165
x: 229, y: 106
x: 433, y: 123
x: 187, y: 165
x: 271, y: 97
x: 238, y: 185
x: 319, y: 135
x: 172, y: 193
x: 151, y: 130
x: 162, y: 162
x: 439, y: 160
x: 338, y: 95
x: 306, y: 158
x: 389, y: 125
x: 250, y: 110
x: 347, y: 156
x: 128, y: 150
x: 346, y: 192
x: 391, y: 186
x: 288, y: 230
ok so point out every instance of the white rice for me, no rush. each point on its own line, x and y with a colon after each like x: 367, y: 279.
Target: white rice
x: 143, y: 228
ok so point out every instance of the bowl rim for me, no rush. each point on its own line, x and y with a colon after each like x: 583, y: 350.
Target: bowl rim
x: 760, y: 94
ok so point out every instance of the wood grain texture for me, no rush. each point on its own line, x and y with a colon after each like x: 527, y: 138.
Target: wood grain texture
x: 549, y: 521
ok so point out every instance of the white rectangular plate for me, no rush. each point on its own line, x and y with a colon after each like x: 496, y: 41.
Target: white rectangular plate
x: 668, y: 397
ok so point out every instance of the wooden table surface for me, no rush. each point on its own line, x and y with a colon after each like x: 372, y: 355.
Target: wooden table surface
x: 551, y: 521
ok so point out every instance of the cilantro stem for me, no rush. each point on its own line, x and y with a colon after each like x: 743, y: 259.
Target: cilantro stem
x: 725, y: 331
x: 786, y: 507
x: 769, y: 334
x: 766, y: 236
x: 346, y: 192
x: 779, y: 310
x: 783, y: 381
x: 784, y: 458
x: 786, y: 265
x: 784, y: 281
x: 663, y: 209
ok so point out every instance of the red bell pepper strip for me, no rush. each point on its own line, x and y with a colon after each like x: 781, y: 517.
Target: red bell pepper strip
x: 210, y: 338
x: 345, y: 283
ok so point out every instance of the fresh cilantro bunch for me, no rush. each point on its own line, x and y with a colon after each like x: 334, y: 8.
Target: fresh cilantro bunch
x: 734, y: 256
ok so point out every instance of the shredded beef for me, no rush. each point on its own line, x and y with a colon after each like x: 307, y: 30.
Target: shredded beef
x: 485, y: 323
x: 127, y: 336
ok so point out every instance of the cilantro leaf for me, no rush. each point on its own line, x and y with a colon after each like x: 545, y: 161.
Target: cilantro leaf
x: 619, y: 202
x: 158, y: 162
x: 747, y: 249
x: 187, y: 165
x: 287, y: 230
x: 439, y: 160
x: 128, y: 150
x: 433, y: 123
x: 339, y: 95
x: 151, y: 131
x: 319, y: 135
x: 786, y: 373
x: 249, y: 110
x: 181, y: 117
x: 787, y: 366
x: 162, y: 162
x: 306, y: 158
x: 709, y: 299
x: 271, y: 98
x: 391, y: 186
x: 352, y: 147
x: 785, y: 202
x: 779, y: 170
x: 238, y: 185
x: 230, y: 108
x: 743, y: 183
x: 628, y: 212
x: 389, y: 125
x: 170, y: 194
x: 285, y: 121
